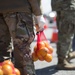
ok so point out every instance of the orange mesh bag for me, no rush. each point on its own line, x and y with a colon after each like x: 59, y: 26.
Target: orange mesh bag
x: 44, y: 49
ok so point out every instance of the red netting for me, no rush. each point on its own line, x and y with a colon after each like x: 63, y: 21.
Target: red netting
x: 40, y: 37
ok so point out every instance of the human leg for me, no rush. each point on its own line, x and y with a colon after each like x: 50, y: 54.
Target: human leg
x: 72, y: 53
x: 4, y: 38
x: 73, y: 43
x: 65, y: 26
x: 22, y: 40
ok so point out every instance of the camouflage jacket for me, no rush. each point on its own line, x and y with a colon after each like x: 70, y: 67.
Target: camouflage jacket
x: 63, y: 5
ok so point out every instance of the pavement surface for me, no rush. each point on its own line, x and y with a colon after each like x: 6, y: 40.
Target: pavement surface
x: 45, y: 68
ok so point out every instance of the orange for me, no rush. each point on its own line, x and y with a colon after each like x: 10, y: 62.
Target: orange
x: 7, y: 69
x: 1, y: 72
x: 41, y: 44
x: 34, y: 56
x: 8, y: 62
x: 35, y: 48
x: 43, y: 51
x: 39, y: 56
x: 46, y: 43
x: 48, y: 46
x: 50, y: 49
x: 17, y: 72
x: 48, y: 57
x: 11, y: 74
x: 0, y: 67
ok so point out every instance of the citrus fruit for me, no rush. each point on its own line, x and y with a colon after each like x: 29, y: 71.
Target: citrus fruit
x: 40, y: 45
x: 7, y: 69
x: 8, y: 62
x: 48, y: 58
x: 1, y: 72
x: 17, y: 72
x: 34, y: 56
x: 43, y: 51
x: 40, y: 57
x: 11, y: 74
x: 35, y: 48
x: 50, y: 49
x: 46, y: 43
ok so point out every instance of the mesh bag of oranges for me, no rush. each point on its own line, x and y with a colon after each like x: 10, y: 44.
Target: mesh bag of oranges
x: 7, y: 68
x: 42, y: 50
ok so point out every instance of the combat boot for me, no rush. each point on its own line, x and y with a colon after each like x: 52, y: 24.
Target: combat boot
x: 63, y: 64
x: 71, y: 55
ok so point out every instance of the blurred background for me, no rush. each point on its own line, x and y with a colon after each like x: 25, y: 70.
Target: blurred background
x: 46, y: 9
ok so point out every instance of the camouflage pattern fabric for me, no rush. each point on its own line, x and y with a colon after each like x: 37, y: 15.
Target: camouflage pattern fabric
x: 66, y: 27
x: 21, y: 29
x: 4, y: 37
x: 58, y: 5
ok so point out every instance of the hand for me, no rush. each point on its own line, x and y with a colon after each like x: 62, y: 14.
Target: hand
x: 37, y: 28
x: 41, y: 23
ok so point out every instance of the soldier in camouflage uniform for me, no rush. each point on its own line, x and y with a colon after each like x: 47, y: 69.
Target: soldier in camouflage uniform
x: 16, y: 17
x: 66, y: 29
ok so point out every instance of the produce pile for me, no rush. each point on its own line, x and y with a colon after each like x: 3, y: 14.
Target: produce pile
x: 44, y: 52
x: 7, y: 68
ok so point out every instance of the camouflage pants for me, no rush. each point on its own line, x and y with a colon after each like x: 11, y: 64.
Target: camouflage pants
x: 66, y: 27
x: 4, y: 38
x: 21, y: 30
x: 59, y: 5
